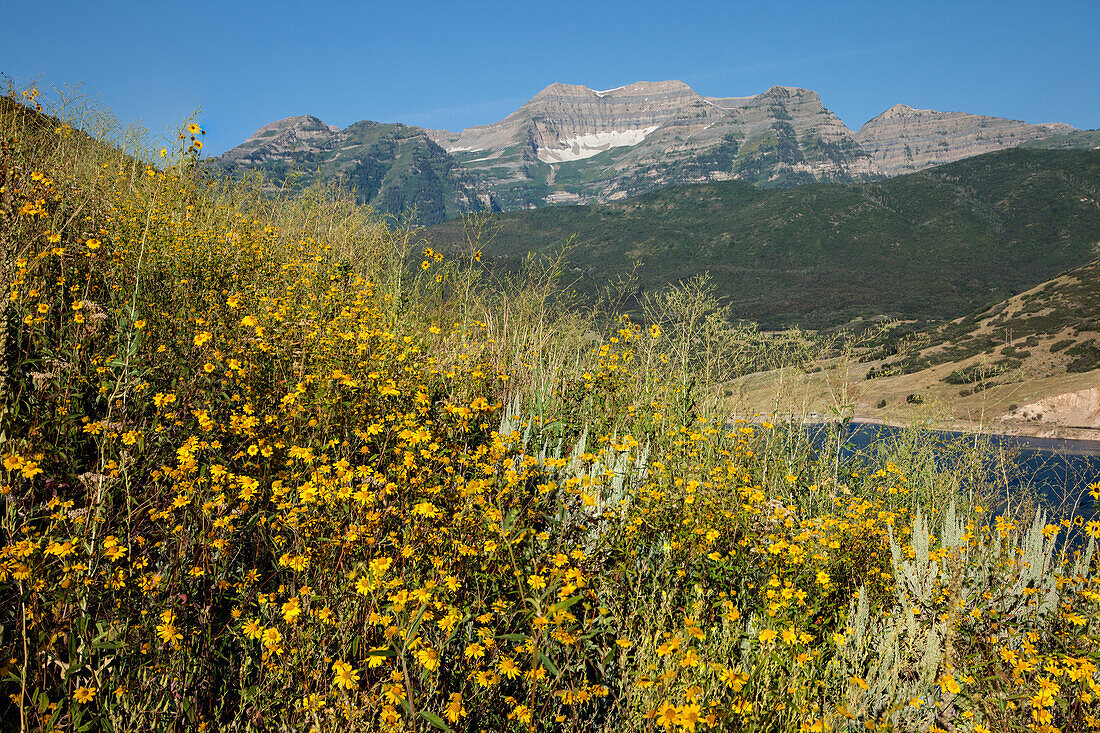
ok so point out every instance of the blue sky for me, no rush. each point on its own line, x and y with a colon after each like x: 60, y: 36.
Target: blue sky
x: 454, y: 64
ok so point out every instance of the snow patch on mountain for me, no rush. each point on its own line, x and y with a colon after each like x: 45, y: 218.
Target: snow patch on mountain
x: 593, y: 143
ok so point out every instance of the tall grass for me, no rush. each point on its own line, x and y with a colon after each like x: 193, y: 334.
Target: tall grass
x: 269, y: 463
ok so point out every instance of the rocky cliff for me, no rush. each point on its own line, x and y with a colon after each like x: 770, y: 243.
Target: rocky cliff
x: 903, y: 139
x: 573, y: 144
x: 567, y: 122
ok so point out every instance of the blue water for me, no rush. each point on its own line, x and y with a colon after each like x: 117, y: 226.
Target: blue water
x: 1058, y: 470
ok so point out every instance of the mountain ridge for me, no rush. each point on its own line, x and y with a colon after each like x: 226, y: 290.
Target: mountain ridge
x: 904, y: 139
x: 570, y: 144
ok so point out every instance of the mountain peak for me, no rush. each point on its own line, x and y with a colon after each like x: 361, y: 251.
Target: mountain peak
x: 904, y: 110
x: 904, y: 139
x: 638, y: 88
x: 559, y: 88
x: 783, y: 92
x: 651, y: 87
x: 306, y: 123
x: 290, y: 134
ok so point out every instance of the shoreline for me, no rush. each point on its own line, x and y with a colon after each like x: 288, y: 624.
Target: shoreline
x: 1051, y: 437
x: 1062, y: 439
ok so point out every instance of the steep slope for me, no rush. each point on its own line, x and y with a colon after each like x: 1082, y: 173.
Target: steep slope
x: 928, y: 246
x: 903, y: 139
x: 572, y: 144
x: 396, y: 168
x: 789, y: 132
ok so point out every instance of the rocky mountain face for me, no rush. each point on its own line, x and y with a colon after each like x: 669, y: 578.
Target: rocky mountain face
x: 395, y: 168
x: 904, y: 140
x: 281, y: 140
x: 572, y: 144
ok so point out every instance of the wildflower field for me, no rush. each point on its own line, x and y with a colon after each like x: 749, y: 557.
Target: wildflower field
x: 270, y: 464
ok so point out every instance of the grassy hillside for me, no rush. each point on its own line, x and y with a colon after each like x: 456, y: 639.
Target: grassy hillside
x: 930, y: 245
x: 1035, y: 346
x: 257, y: 474
x: 1030, y: 364
x: 1063, y: 314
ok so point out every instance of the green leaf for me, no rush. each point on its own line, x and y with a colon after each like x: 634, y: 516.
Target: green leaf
x: 567, y: 603
x: 415, y: 625
x: 382, y: 653
x: 545, y: 661
x: 435, y: 720
x: 454, y: 631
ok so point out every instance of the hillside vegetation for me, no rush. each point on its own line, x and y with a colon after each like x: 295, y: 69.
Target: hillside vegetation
x: 931, y: 245
x: 1029, y: 364
x: 997, y: 362
x: 258, y: 474
x: 1060, y: 317
x: 1084, y: 139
